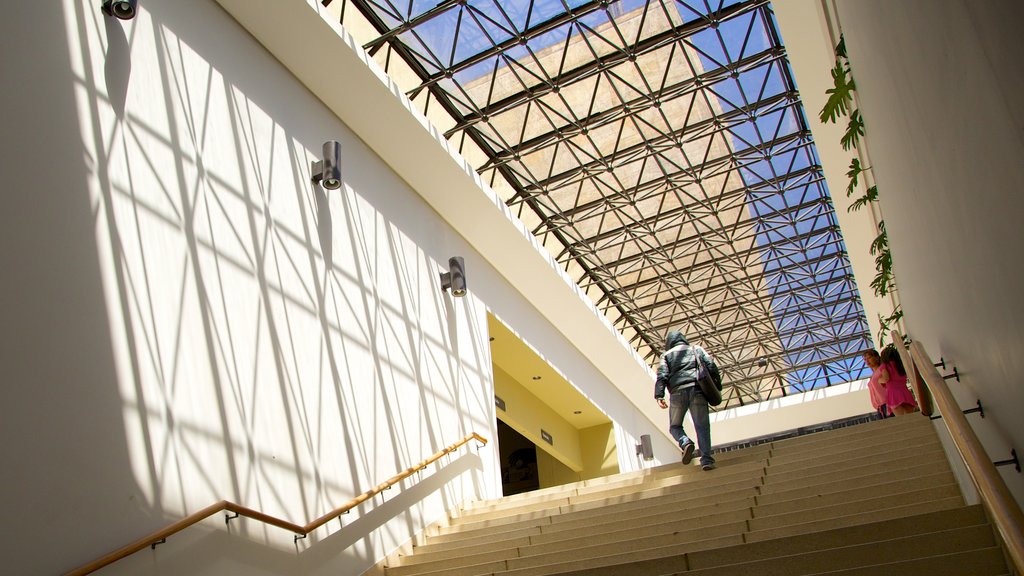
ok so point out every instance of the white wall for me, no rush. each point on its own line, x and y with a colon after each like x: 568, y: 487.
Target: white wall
x: 836, y: 402
x: 187, y: 319
x: 939, y: 84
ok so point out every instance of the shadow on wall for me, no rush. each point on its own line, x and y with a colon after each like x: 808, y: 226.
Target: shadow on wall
x: 190, y: 552
x: 63, y: 415
x: 178, y: 338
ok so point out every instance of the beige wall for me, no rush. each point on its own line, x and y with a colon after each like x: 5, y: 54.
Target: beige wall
x: 188, y: 319
x: 938, y: 84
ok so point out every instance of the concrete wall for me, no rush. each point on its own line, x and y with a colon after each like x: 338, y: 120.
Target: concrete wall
x: 836, y: 402
x: 938, y: 84
x: 188, y: 319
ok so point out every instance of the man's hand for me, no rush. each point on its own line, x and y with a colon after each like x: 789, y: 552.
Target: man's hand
x: 661, y: 402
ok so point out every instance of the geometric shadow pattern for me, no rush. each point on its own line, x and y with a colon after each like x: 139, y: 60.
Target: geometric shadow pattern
x: 659, y: 149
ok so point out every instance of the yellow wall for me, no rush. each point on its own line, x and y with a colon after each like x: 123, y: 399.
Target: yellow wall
x: 526, y: 414
x: 574, y: 454
x: 597, y: 444
x: 551, y: 472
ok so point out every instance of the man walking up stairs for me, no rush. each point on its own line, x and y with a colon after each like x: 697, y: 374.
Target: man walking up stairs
x: 875, y: 498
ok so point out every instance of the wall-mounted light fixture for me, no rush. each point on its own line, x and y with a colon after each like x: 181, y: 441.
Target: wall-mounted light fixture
x: 328, y: 170
x: 455, y: 277
x: 644, y: 448
x: 122, y: 9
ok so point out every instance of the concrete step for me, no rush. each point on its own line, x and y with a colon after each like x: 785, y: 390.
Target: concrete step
x: 850, y: 455
x: 926, y: 533
x: 900, y: 549
x: 591, y: 522
x: 638, y: 477
x: 560, y: 542
x: 916, y: 524
x: 797, y: 512
x: 831, y: 442
x: 878, y: 496
x: 827, y: 488
x: 842, y: 452
x: 826, y: 438
x: 578, y: 491
x: 933, y: 459
x: 625, y: 526
x: 878, y: 484
x: 853, y: 435
x: 735, y: 480
x: 981, y: 562
x: 769, y: 560
x: 664, y: 527
x: 765, y: 531
x: 719, y: 481
x: 551, y: 530
x: 889, y: 426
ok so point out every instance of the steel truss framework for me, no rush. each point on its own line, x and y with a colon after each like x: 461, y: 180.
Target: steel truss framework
x: 662, y: 144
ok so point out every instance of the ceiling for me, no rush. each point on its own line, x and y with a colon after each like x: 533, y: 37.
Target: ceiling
x: 659, y: 149
x: 531, y: 371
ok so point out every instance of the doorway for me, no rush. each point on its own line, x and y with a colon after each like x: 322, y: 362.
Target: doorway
x: 518, y: 457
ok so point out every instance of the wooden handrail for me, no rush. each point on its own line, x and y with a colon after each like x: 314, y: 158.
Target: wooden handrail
x: 995, y: 496
x: 224, y: 505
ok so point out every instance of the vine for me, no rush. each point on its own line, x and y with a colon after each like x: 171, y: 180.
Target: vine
x: 840, y: 105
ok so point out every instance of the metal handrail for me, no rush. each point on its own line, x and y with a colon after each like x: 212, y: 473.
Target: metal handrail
x: 224, y: 505
x: 995, y: 496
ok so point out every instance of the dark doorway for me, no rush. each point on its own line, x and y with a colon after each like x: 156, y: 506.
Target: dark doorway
x: 518, y: 461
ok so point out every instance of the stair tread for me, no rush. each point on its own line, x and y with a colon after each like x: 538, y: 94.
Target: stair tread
x: 830, y: 502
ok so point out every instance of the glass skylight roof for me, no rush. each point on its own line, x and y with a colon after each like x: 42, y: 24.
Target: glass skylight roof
x: 660, y: 150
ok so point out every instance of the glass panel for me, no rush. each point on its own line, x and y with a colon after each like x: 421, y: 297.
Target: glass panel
x: 662, y: 142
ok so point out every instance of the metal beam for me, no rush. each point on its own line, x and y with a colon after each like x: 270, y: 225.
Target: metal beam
x: 593, y: 66
x: 648, y: 149
x: 690, y: 85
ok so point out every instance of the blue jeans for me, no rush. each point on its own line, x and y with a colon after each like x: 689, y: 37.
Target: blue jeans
x: 689, y: 399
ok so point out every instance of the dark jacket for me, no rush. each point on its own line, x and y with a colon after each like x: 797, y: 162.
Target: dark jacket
x: 678, y: 368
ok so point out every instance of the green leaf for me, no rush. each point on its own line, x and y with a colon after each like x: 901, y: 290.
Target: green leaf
x: 854, y: 130
x: 853, y: 174
x: 841, y: 47
x: 888, y: 321
x: 881, y: 242
x: 840, y: 96
x: 870, y: 196
x: 883, y: 280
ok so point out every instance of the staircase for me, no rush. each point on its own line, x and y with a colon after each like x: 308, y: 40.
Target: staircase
x: 875, y: 498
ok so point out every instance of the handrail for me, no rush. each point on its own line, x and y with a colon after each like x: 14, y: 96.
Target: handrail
x: 302, y: 530
x: 995, y: 496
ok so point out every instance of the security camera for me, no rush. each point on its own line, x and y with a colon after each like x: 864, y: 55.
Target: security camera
x: 122, y: 9
x: 455, y: 277
x: 762, y: 362
x: 328, y: 170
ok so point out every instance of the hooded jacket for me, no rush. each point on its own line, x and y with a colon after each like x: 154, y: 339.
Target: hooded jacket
x: 678, y: 368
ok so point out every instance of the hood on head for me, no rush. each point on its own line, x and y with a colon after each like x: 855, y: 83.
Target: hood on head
x: 675, y: 338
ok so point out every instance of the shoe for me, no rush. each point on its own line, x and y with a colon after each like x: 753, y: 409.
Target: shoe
x: 688, y: 452
x: 708, y: 466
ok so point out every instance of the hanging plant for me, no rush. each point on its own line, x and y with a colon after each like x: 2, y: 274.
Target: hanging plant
x: 840, y: 96
x: 838, y: 105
